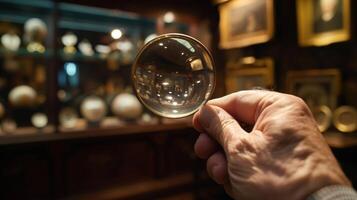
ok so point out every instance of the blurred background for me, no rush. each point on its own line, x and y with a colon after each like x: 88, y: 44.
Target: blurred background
x: 71, y: 126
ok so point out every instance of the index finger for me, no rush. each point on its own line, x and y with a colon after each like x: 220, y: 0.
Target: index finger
x: 245, y: 106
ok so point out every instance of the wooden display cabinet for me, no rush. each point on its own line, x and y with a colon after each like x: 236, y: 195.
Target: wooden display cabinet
x: 129, y: 161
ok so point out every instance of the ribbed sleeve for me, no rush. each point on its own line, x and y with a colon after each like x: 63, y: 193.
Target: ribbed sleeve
x: 334, y: 192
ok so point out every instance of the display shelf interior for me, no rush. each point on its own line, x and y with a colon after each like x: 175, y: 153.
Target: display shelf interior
x: 15, y: 13
x: 35, y: 135
x: 80, y: 57
x: 93, y: 73
x: 94, y: 58
x: 84, y: 25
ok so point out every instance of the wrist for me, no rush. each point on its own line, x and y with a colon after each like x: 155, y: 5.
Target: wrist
x: 326, y: 176
x: 313, y: 173
x: 333, y: 192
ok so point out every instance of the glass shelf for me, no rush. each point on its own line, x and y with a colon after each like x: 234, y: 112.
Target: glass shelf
x: 18, y: 11
x: 22, y: 52
x: 103, y: 14
x: 84, y: 18
x: 28, y: 5
x: 80, y: 57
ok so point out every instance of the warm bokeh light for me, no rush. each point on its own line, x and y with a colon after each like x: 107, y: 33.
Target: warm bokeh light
x: 169, y: 17
x: 116, y: 34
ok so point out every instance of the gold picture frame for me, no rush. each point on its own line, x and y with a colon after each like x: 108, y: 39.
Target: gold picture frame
x: 248, y: 73
x: 318, y: 29
x: 245, y: 22
x: 317, y: 87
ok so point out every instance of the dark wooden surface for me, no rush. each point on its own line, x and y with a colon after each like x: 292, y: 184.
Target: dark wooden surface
x: 161, y: 159
x: 31, y: 134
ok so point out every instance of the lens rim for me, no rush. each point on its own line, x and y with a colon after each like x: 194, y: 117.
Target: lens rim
x: 181, y: 36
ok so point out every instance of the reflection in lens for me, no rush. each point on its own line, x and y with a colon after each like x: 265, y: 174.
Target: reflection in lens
x: 173, y: 75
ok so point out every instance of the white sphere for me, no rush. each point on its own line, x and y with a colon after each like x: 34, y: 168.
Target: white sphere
x: 93, y: 109
x: 11, y: 41
x: 69, y: 39
x: 22, y: 96
x: 39, y: 120
x: 35, y: 26
x: 68, y: 117
x: 86, y: 48
x: 127, y: 106
x: 8, y: 125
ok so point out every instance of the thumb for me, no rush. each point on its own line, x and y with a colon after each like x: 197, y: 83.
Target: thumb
x: 220, y: 125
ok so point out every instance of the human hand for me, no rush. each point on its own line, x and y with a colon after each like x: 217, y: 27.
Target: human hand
x: 283, y: 157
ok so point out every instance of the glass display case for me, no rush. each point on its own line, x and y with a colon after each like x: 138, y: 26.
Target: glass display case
x: 96, y: 51
x: 26, y: 54
x: 66, y: 67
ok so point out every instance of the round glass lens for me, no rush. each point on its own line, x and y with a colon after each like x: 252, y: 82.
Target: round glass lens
x: 173, y: 75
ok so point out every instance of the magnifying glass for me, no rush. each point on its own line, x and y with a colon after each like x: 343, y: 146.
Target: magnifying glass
x: 173, y: 75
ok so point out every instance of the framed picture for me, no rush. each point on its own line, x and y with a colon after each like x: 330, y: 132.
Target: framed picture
x: 249, y: 73
x: 245, y: 22
x: 316, y: 87
x: 322, y: 22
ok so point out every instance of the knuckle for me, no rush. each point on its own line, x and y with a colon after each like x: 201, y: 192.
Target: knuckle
x: 297, y: 102
x: 300, y: 104
x: 240, y: 147
x: 236, y: 148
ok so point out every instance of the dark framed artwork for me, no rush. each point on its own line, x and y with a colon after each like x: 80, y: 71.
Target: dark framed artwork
x: 245, y: 22
x: 322, y: 22
x: 316, y: 87
x: 249, y: 73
